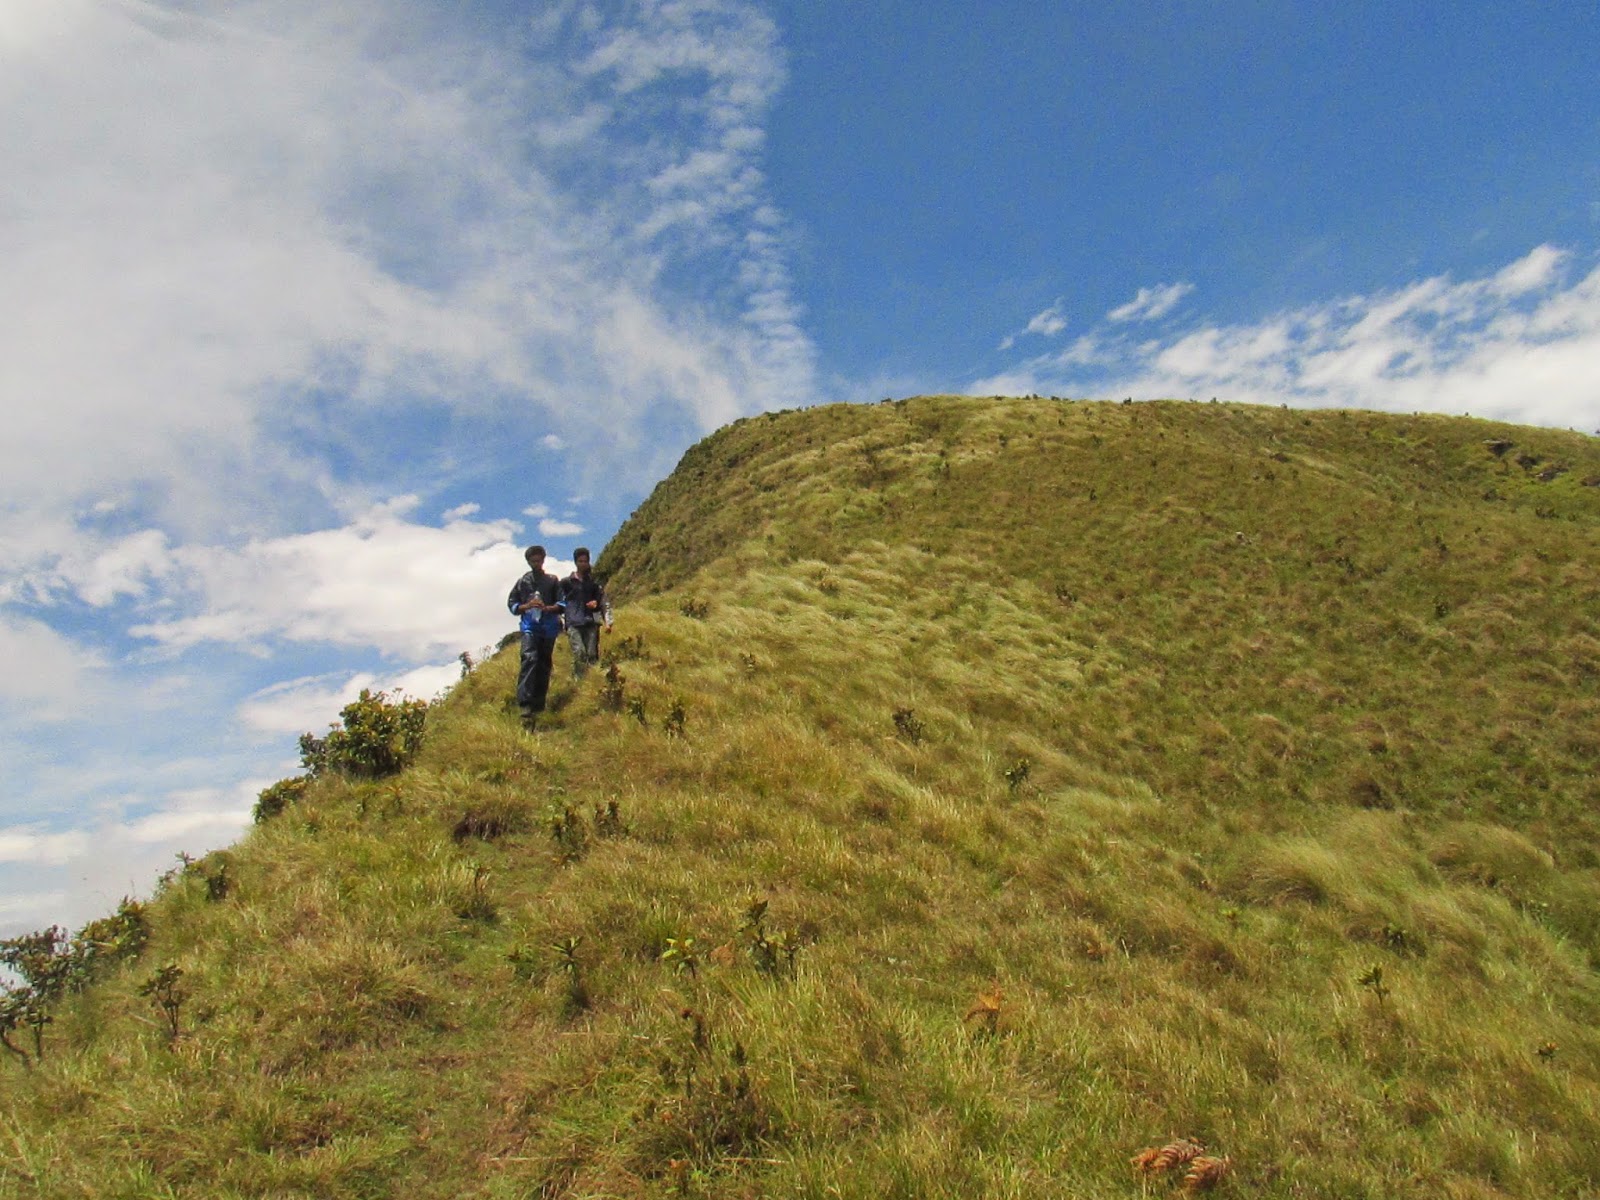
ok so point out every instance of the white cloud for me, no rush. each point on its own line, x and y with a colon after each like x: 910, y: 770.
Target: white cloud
x: 73, y: 875
x: 47, y: 676
x: 1049, y: 323
x: 552, y: 441
x: 249, y: 243
x: 1533, y: 271
x: 33, y: 846
x: 1046, y: 324
x: 28, y: 911
x: 1151, y: 302
x: 550, y: 527
x: 1519, y: 344
x: 382, y: 582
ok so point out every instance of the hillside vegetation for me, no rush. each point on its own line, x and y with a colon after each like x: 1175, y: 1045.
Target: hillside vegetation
x: 979, y: 794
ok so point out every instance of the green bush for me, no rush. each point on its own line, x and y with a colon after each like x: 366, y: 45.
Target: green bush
x: 273, y: 800
x: 375, y: 738
x: 48, y: 964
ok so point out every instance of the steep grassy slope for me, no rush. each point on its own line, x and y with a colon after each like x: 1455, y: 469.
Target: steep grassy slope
x: 1392, y: 605
x: 983, y: 792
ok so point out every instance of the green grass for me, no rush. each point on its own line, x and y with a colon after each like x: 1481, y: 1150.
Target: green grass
x: 1204, y: 712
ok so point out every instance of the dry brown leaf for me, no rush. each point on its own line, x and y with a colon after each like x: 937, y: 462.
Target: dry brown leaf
x: 987, y: 1005
x: 1206, y: 1172
x: 1173, y: 1154
x: 1144, y: 1162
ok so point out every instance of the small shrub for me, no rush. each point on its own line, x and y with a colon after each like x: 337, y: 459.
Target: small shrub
x: 1016, y: 775
x: 167, y: 992
x: 908, y: 726
x: 108, y: 940
x: 568, y: 832
x: 21, y: 1008
x: 1372, y: 980
x: 712, y: 1108
x: 672, y: 723
x: 683, y: 956
x: 613, y: 693
x: 696, y: 608
x: 211, y: 870
x: 772, y: 955
x: 623, y: 649
x: 576, y: 996
x: 44, y: 963
x: 375, y: 737
x: 48, y: 964
x: 273, y: 800
x: 607, y: 822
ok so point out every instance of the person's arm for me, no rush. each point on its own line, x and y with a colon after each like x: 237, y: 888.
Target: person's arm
x: 526, y: 599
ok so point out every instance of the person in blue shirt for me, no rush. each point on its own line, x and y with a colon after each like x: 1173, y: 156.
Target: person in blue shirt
x: 533, y: 601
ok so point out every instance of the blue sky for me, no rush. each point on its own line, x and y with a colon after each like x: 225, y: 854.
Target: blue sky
x: 315, y: 312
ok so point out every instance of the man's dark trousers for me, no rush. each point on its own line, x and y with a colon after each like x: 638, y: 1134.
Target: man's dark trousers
x: 533, y: 680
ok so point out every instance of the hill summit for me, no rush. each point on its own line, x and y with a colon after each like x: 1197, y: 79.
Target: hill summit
x: 979, y: 798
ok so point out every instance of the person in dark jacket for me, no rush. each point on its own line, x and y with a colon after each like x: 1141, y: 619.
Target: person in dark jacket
x: 584, y: 607
x: 533, y: 600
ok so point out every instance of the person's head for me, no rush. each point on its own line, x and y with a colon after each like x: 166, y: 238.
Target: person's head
x: 535, y: 556
x: 580, y: 559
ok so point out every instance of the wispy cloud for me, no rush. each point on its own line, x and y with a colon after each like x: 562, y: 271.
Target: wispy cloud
x: 1047, y: 324
x: 1151, y: 303
x: 1519, y: 344
x: 47, y: 675
x: 72, y: 875
x: 249, y: 246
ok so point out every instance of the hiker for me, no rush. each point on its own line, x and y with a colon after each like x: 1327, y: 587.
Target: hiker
x: 533, y: 599
x: 585, y: 607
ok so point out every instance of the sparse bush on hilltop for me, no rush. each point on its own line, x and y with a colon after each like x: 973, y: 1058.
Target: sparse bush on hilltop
x: 49, y: 965
x: 273, y: 799
x: 374, y: 737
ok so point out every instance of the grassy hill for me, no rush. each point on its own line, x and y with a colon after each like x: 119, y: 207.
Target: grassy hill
x: 980, y: 793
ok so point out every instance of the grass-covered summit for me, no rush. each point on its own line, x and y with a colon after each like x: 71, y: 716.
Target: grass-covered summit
x: 979, y: 795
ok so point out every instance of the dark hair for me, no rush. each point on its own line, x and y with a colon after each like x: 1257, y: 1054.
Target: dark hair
x: 531, y: 551
x: 583, y: 550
